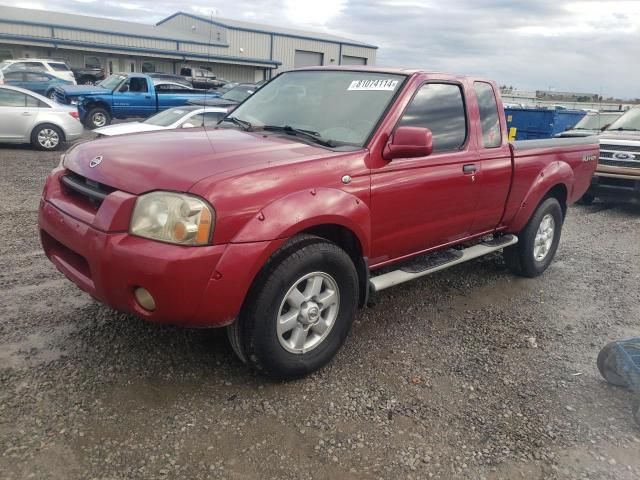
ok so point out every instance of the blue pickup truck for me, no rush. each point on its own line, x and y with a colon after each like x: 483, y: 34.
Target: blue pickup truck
x: 127, y: 95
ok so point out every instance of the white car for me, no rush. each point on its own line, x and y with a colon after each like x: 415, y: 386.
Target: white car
x: 57, y: 68
x: 26, y: 117
x: 188, y: 116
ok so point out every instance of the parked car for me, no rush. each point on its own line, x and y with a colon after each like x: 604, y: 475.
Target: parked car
x: 124, y: 96
x: 201, y: 78
x: 27, y: 117
x: 37, y: 81
x: 188, y: 116
x: 591, y: 124
x: 324, y: 186
x: 617, y: 177
x: 57, y: 68
x: 88, y: 75
x: 234, y: 96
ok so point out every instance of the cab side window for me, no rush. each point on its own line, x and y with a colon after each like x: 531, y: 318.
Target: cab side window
x: 138, y: 85
x: 489, y: 117
x: 440, y: 108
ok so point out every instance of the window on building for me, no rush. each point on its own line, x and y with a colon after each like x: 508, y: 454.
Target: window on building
x: 5, y: 54
x: 148, y: 67
x: 489, y: 117
x: 92, y: 62
x: 440, y: 108
x: 304, y: 58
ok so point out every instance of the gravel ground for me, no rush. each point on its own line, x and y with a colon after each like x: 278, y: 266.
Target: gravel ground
x: 469, y: 373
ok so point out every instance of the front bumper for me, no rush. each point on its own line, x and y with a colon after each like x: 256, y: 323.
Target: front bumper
x: 615, y: 187
x: 191, y: 286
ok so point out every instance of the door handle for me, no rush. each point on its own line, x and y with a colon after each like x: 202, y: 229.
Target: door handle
x: 26, y: 114
x: 469, y: 168
x: 147, y: 96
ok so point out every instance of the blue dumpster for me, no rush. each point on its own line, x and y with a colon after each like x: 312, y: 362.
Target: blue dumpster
x: 536, y: 123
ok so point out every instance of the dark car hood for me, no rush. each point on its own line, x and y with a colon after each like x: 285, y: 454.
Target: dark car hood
x: 177, y: 159
x: 80, y: 90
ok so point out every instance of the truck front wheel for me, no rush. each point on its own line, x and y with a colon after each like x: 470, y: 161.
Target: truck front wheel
x: 97, y: 117
x: 538, y: 241
x: 299, y: 311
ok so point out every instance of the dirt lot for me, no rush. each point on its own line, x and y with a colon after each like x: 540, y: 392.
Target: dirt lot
x: 470, y: 373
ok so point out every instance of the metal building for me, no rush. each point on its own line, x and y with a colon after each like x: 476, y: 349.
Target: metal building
x: 232, y: 49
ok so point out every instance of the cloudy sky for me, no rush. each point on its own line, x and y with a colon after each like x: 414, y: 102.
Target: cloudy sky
x: 586, y: 46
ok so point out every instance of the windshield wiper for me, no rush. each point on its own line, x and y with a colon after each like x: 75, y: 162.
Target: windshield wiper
x: 625, y: 129
x: 309, y: 134
x: 241, y: 123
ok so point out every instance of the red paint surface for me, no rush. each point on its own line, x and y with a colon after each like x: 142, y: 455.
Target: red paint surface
x: 266, y: 188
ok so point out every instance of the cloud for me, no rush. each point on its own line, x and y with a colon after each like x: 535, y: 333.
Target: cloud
x: 578, y: 45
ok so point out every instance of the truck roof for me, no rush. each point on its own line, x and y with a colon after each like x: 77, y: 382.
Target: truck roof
x: 394, y: 70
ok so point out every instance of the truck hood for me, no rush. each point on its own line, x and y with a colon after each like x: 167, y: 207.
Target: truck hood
x: 620, y: 135
x: 177, y: 159
x: 80, y: 90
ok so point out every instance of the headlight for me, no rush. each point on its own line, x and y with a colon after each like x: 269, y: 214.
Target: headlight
x: 174, y: 218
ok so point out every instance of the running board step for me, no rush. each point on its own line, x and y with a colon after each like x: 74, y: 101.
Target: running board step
x: 439, y: 261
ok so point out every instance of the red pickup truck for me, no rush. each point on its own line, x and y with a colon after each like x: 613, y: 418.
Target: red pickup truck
x: 324, y: 186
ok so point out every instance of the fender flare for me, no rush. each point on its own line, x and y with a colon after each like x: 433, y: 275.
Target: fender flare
x: 554, y: 174
x: 305, y: 209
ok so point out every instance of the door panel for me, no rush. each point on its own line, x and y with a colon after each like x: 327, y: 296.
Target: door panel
x: 422, y: 203
x: 19, y: 118
x: 134, y: 99
x: 495, y: 159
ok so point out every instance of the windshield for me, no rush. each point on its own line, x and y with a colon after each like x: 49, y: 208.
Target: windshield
x: 238, y: 94
x: 596, y: 121
x: 166, y: 118
x: 628, y: 121
x: 112, y: 81
x: 341, y: 106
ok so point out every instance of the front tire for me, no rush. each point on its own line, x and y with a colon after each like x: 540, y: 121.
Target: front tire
x: 607, y: 365
x: 47, y: 137
x: 97, y: 117
x: 538, y: 241
x: 300, y: 309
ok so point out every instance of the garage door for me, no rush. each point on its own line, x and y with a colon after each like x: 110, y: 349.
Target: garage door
x: 349, y: 60
x: 304, y: 58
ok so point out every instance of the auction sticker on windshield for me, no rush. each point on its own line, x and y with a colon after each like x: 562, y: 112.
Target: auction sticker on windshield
x: 373, y: 85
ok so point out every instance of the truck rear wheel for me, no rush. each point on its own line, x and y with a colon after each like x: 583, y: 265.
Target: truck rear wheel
x: 538, y: 241
x: 97, y: 117
x: 300, y: 310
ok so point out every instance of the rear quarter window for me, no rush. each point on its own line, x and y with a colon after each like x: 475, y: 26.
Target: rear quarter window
x: 489, y: 117
x: 59, y: 67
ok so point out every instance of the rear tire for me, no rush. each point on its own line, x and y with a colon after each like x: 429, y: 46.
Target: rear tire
x: 97, y: 117
x: 538, y: 241
x: 51, y: 94
x: 607, y: 366
x: 47, y: 137
x: 299, y: 311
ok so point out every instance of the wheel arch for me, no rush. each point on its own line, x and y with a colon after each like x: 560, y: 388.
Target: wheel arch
x: 554, y: 181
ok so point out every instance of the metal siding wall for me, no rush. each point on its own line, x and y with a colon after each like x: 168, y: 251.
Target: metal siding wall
x: 203, y: 29
x: 114, y: 40
x: 284, y: 49
x: 18, y: 29
x: 368, y: 53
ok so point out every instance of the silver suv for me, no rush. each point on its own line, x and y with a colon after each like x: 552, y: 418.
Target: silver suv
x: 57, y: 68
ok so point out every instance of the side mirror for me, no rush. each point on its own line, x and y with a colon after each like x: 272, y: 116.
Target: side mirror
x: 188, y: 125
x: 409, y: 142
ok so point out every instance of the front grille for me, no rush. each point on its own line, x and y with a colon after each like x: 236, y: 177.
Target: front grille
x: 90, y: 190
x: 609, y: 152
x: 620, y: 148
